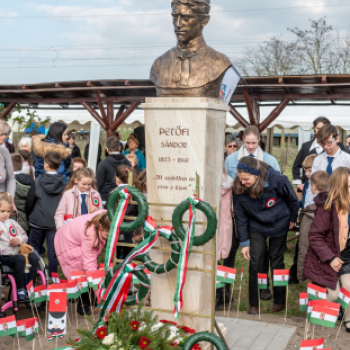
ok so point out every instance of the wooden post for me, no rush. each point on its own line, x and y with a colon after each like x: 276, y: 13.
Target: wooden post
x: 7, y: 110
x: 283, y: 138
x: 287, y: 149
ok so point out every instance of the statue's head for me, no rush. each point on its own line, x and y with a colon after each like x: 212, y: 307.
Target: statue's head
x: 189, y: 18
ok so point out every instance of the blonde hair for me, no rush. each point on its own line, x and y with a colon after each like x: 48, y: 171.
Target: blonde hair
x: 308, y: 161
x: 133, y: 139
x: 100, y: 221
x: 5, y: 196
x: 78, y: 175
x: 339, y: 193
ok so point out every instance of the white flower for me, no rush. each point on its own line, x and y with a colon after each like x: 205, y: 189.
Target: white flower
x: 109, y: 339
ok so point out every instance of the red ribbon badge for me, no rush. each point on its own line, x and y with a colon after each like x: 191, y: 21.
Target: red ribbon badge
x: 270, y: 203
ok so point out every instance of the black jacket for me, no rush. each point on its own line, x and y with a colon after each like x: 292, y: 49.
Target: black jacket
x: 302, y: 154
x: 75, y: 151
x: 48, y: 193
x: 24, y: 199
x: 86, y: 153
x: 256, y: 215
x: 105, y: 175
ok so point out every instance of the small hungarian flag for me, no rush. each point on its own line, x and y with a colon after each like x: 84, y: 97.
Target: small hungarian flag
x: 94, y: 278
x: 225, y: 274
x: 241, y: 277
x: 323, y: 316
x: 312, y: 303
x: 344, y: 298
x: 55, y: 278
x: 21, y: 328
x: 312, y: 344
x: 83, y: 284
x: 102, y: 266
x: 8, y: 326
x: 77, y: 274
x: 262, y: 281
x: 280, y: 278
x: 30, y: 290
x: 36, y: 325
x: 71, y: 287
x: 41, y: 294
x: 316, y: 292
x: 303, y: 301
x: 30, y: 329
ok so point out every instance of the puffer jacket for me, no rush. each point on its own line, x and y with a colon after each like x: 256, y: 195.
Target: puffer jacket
x: 306, y: 218
x: 41, y: 146
x: 70, y: 204
x: 74, y: 249
x: 324, y: 245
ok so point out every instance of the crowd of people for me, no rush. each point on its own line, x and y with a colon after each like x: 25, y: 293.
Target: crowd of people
x: 260, y: 206
x: 47, y: 194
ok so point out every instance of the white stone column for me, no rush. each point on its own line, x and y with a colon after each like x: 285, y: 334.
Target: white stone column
x: 184, y: 137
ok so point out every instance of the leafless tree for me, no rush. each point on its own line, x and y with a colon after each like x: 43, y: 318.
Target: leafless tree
x: 274, y: 57
x: 340, y: 56
x: 316, y: 46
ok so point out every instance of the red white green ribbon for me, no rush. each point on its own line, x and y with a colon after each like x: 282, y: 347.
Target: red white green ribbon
x: 184, y: 256
x: 55, y: 335
x: 114, y: 230
x: 115, y: 294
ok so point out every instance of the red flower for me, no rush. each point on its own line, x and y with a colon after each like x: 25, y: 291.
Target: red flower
x: 196, y: 347
x: 134, y: 325
x: 173, y: 344
x: 188, y: 330
x: 101, y: 332
x: 169, y: 322
x: 144, y: 342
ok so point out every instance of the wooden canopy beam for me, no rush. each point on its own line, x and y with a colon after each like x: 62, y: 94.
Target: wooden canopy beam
x: 94, y: 114
x: 328, y: 89
x: 286, y: 89
x: 274, y: 114
x: 238, y: 116
x: 279, y: 97
x: 249, y: 107
x: 102, y: 109
x: 121, y: 118
x: 7, y: 110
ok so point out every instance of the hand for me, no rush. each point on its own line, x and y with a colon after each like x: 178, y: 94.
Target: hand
x: 92, y: 209
x: 13, y: 207
x: 291, y: 225
x: 245, y: 253
x: 300, y: 187
x: 14, y: 242
x: 232, y: 211
x: 336, y: 264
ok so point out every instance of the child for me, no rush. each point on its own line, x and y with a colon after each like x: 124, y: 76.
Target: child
x: 27, y: 163
x: 106, y: 170
x: 319, y: 182
x: 78, y: 245
x: 133, y: 161
x: 77, y: 163
x: 24, y: 185
x: 11, y: 237
x: 328, y: 255
x: 80, y: 197
x: 307, y: 165
x: 47, y: 195
x: 122, y: 175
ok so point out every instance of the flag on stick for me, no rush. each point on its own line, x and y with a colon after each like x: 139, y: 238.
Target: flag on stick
x: 21, y: 328
x: 77, y: 274
x: 55, y: 278
x: 312, y: 344
x: 316, y: 292
x: 30, y: 329
x: 57, y: 313
x: 83, y: 284
x: 30, y: 290
x: 241, y: 276
x: 303, y: 301
x: 95, y: 277
x: 344, y: 298
x: 8, y: 326
x: 280, y: 278
x: 262, y: 281
x: 71, y: 287
x: 323, y: 316
x: 225, y: 274
x: 40, y: 294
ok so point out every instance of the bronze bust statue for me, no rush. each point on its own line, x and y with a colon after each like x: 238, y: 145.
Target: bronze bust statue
x: 191, y: 68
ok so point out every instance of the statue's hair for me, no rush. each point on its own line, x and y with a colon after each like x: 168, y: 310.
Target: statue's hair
x: 200, y: 6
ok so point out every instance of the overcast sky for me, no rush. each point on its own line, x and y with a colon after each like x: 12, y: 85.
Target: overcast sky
x: 116, y: 39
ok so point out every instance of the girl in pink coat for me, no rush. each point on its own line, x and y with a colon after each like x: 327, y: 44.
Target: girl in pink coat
x: 78, y: 245
x: 79, y: 198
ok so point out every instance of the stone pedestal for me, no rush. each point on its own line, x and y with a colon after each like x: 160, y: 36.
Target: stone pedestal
x: 184, y: 137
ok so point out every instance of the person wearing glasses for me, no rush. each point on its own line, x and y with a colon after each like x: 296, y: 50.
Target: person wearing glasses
x: 332, y: 157
x: 230, y: 145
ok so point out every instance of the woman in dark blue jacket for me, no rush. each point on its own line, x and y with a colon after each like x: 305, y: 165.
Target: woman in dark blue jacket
x: 266, y: 206
x: 54, y: 141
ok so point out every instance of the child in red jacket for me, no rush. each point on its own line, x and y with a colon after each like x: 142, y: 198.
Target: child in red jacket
x: 328, y: 255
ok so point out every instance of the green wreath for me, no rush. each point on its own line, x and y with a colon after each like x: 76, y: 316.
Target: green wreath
x: 204, y: 336
x: 142, y: 208
x: 207, y: 210
x: 144, y: 285
x: 173, y: 260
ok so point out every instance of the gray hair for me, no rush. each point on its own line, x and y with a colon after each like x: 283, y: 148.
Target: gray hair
x: 4, y: 127
x: 230, y: 138
x: 25, y: 141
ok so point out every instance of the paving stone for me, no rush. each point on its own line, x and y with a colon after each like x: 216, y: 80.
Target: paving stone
x: 257, y: 347
x: 245, y: 340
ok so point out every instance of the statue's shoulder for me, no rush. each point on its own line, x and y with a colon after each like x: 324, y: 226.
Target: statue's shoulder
x: 166, y: 58
x: 219, y: 57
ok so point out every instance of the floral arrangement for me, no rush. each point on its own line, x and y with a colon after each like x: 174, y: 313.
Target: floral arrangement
x: 133, y: 330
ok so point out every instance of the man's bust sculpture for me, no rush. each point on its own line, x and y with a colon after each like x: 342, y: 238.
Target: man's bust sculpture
x: 191, y: 68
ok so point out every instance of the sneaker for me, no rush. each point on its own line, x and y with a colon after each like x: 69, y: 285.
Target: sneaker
x: 21, y: 295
